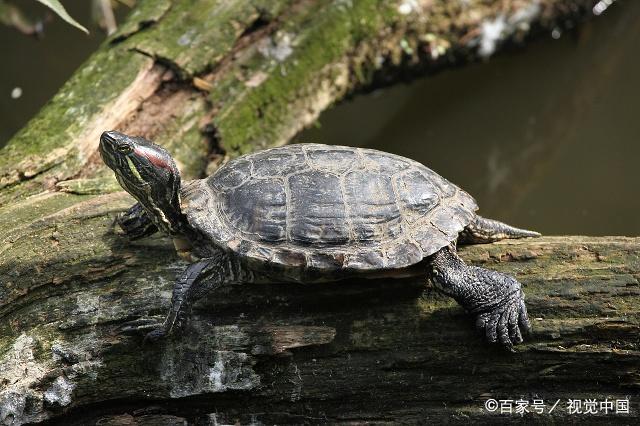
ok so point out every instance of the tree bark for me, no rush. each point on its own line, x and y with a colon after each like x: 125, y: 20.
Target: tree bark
x: 212, y: 80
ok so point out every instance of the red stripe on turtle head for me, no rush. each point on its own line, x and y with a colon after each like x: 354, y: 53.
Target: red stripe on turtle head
x: 156, y: 158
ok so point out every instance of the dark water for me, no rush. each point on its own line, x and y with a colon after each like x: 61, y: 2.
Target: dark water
x: 547, y: 137
x: 40, y: 67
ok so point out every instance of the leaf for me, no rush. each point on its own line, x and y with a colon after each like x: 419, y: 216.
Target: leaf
x: 57, y: 7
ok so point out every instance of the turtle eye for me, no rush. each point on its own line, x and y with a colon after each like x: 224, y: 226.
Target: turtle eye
x: 124, y: 148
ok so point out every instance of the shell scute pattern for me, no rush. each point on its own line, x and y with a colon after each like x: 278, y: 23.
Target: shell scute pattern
x: 265, y: 216
x: 279, y: 163
x: 287, y: 257
x: 429, y: 239
x: 444, y: 220
x: 326, y: 261
x: 373, y: 209
x: 365, y: 258
x: 418, y: 194
x: 329, y: 208
x: 406, y: 253
x: 385, y: 162
x: 232, y: 175
x: 448, y: 189
x: 198, y: 204
x: 317, y: 212
x: 336, y: 160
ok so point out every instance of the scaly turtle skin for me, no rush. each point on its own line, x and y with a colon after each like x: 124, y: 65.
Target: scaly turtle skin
x: 315, y: 212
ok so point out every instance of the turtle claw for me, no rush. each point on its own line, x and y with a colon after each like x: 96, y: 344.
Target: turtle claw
x: 154, y: 336
x: 142, y: 326
x: 135, y: 223
x: 523, y: 317
x: 504, y: 324
x: 138, y: 326
x: 495, y: 299
x: 514, y: 330
x: 503, y: 331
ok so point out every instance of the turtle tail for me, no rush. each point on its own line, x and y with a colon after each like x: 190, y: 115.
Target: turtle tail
x: 484, y: 230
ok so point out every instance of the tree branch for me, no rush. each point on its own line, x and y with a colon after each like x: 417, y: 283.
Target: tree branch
x: 213, y: 80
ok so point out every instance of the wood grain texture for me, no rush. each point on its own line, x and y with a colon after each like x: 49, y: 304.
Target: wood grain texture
x: 351, y: 351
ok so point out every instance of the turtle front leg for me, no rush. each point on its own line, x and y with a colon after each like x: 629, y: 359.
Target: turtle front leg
x: 136, y: 223
x: 198, y: 279
x: 495, y: 299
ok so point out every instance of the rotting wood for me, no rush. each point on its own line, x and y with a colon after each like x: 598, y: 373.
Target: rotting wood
x: 347, y: 352
x: 350, y: 351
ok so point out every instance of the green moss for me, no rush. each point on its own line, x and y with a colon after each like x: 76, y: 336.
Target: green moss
x: 47, y: 256
x: 320, y: 35
x: 146, y: 13
x: 34, y: 209
x: 184, y: 37
x: 249, y: 115
x: 95, y: 186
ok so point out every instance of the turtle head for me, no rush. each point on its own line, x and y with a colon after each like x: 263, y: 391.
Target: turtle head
x: 149, y: 173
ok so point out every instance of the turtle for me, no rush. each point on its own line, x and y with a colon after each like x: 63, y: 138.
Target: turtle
x: 315, y: 213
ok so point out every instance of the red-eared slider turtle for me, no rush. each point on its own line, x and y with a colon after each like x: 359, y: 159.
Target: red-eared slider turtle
x: 314, y: 212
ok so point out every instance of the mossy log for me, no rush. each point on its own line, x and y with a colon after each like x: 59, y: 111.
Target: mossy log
x: 379, y: 351
x: 214, y: 79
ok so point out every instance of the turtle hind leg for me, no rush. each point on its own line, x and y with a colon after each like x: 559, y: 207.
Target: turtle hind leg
x: 496, y: 300
x: 484, y: 230
x: 136, y: 223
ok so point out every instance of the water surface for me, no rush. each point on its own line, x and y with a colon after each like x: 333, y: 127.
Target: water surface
x: 547, y: 137
x: 40, y: 67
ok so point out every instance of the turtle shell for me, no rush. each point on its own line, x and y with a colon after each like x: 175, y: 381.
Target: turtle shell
x: 328, y: 207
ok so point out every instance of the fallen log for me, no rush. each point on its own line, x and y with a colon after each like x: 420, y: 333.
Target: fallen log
x: 352, y: 351
x: 212, y: 81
